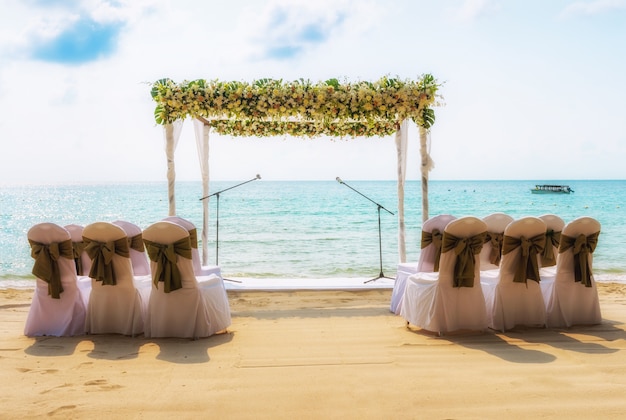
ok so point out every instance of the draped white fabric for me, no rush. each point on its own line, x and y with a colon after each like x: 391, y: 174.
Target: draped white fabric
x: 172, y: 135
x: 401, y: 147
x: 426, y: 166
x: 202, y: 143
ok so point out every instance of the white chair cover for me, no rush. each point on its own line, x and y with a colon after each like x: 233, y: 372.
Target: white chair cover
x: 431, y: 301
x: 570, y: 302
x: 511, y: 303
x: 138, y: 259
x: 76, y: 232
x: 198, y: 268
x: 84, y: 282
x: 49, y: 316
x: 554, y: 228
x: 118, y: 308
x: 198, y: 309
x: 425, y: 263
x: 496, y: 223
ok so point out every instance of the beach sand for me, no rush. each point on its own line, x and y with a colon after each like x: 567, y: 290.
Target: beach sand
x: 311, y: 354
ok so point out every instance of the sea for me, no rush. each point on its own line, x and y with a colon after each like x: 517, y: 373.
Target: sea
x: 305, y: 229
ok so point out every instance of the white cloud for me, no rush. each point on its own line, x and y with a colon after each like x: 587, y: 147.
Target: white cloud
x: 471, y: 10
x: 595, y: 7
x: 284, y: 29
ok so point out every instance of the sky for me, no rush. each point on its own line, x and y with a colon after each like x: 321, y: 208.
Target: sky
x: 532, y: 89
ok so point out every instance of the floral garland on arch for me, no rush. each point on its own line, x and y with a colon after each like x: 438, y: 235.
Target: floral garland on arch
x: 270, y: 107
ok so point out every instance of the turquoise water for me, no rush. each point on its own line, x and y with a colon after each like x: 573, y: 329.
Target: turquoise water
x: 306, y: 229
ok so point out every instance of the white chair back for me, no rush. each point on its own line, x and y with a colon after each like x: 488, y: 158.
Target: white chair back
x: 428, y: 254
x: 496, y: 223
x: 510, y: 303
x: 117, y: 308
x: 554, y: 228
x: 76, y: 232
x: 571, y: 301
x: 138, y: 258
x: 65, y: 315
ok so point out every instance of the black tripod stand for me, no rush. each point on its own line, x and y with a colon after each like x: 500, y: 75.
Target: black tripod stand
x: 217, y: 216
x: 380, y: 246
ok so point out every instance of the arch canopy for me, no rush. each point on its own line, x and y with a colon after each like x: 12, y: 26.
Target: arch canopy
x: 301, y: 108
x: 269, y: 107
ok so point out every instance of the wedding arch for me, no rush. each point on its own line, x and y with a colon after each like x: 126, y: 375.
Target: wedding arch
x: 269, y: 107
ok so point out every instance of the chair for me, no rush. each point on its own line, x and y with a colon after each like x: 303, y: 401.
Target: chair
x: 116, y: 305
x: 180, y: 306
x: 198, y: 268
x: 554, y: 227
x: 58, y: 308
x: 572, y: 296
x: 138, y: 256
x: 492, y: 250
x: 512, y: 294
x: 82, y: 260
x: 452, y: 298
x: 432, y: 231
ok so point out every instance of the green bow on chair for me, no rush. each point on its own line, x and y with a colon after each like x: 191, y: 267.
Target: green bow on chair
x: 165, y: 257
x: 553, y: 239
x: 136, y: 243
x: 582, y: 246
x: 434, y: 238
x: 77, y: 249
x: 496, y: 247
x: 528, y: 267
x: 465, y: 250
x: 193, y: 238
x: 101, y: 254
x: 46, y: 265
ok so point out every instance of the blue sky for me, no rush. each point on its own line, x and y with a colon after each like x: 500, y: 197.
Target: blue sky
x: 532, y: 89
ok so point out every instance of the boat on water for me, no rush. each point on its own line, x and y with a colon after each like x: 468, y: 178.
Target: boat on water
x: 551, y: 189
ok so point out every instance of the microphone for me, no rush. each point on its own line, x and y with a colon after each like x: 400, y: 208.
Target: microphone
x: 339, y: 180
x: 258, y: 176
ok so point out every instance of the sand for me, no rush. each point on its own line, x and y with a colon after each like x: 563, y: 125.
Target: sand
x: 310, y: 354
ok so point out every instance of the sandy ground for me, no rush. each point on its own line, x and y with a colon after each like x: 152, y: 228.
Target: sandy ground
x: 317, y: 355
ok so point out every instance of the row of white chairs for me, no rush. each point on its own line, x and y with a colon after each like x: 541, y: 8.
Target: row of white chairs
x: 534, y: 271
x: 99, y: 280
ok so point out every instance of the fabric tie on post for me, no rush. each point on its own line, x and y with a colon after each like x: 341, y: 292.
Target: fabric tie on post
x: 581, y: 246
x: 496, y: 247
x: 136, y: 243
x: 527, y: 267
x: 193, y: 238
x: 165, y: 258
x: 46, y: 265
x: 101, y: 254
x: 465, y: 250
x: 435, y: 238
x: 553, y: 239
x: 78, y: 248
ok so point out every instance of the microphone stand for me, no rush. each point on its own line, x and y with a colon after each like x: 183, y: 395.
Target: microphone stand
x: 380, y: 246
x: 217, y: 216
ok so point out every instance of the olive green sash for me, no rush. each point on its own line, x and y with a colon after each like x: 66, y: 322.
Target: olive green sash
x: 496, y: 247
x: 552, y: 240
x: 46, y: 265
x: 582, y: 246
x: 77, y: 249
x: 434, y: 238
x: 193, y: 238
x: 136, y: 243
x: 527, y: 267
x: 465, y: 250
x: 101, y: 254
x: 165, y: 257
